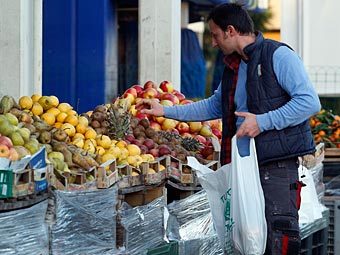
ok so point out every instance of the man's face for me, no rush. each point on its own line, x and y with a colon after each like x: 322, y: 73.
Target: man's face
x: 220, y: 39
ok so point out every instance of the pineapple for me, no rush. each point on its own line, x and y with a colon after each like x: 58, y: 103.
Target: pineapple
x: 119, y: 119
x: 188, y: 143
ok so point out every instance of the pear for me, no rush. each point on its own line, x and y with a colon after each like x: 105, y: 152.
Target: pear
x: 56, y: 155
x: 25, y: 117
x: 48, y: 148
x: 31, y: 127
x: 32, y: 145
x: 17, y: 139
x: 45, y: 137
x: 45, y: 102
x: 6, y: 128
x: 60, y: 135
x: 25, y: 133
x: 12, y: 119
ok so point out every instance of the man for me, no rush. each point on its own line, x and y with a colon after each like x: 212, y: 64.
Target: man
x: 267, y: 85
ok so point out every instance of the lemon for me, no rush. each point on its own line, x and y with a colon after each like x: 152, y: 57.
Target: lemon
x: 54, y: 101
x: 61, y: 117
x: 37, y: 109
x: 83, y: 120
x: 81, y: 128
x: 25, y: 102
x: 69, y: 129
x: 72, y: 112
x: 54, y: 111
x: 49, y: 118
x: 64, y: 107
x: 90, y: 133
x: 72, y: 119
x: 78, y: 135
x: 35, y: 97
x: 58, y: 124
x: 133, y: 149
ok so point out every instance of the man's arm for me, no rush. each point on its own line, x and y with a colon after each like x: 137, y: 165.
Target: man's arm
x: 202, y: 110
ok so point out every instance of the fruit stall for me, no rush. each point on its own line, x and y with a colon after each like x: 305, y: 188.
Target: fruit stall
x: 87, y: 168
x: 102, y: 181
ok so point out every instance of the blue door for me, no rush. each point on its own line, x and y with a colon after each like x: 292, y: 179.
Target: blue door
x: 80, y: 51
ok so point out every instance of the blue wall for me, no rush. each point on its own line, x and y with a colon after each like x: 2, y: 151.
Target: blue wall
x: 79, y: 51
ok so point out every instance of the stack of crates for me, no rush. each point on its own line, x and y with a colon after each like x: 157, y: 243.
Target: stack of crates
x: 333, y: 204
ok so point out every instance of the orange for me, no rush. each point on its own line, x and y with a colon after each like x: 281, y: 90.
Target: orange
x: 90, y: 133
x: 81, y: 128
x: 72, y: 112
x: 58, y: 124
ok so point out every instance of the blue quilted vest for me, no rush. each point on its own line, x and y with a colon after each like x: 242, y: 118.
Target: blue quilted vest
x: 264, y: 94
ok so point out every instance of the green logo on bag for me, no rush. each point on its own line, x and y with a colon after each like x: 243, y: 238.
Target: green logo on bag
x: 229, y: 222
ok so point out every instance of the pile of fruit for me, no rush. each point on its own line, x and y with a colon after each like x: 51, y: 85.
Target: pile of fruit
x: 79, y: 142
x: 326, y: 128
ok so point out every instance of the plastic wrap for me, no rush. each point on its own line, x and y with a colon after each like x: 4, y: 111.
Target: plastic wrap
x: 190, y: 223
x: 190, y: 208
x: 24, y: 231
x: 142, y: 227
x: 85, y: 222
x: 317, y: 173
x: 332, y: 187
x: 308, y: 229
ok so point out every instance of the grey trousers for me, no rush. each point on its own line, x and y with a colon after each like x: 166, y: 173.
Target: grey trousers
x: 282, y: 199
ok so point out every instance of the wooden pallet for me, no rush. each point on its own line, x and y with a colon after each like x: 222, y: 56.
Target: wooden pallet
x: 332, y: 155
x: 9, y: 204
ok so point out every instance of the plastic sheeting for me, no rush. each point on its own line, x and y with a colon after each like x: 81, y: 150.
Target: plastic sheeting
x: 142, y: 226
x: 193, y: 71
x: 24, y: 231
x: 332, y: 188
x: 308, y: 229
x: 317, y: 173
x: 190, y: 223
x: 85, y: 222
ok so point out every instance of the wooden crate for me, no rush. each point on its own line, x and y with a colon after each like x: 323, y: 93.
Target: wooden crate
x: 105, y: 180
x: 160, y: 172
x: 332, y: 155
x: 16, y: 184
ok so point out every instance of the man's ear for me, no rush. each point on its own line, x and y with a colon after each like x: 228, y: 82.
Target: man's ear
x: 231, y: 30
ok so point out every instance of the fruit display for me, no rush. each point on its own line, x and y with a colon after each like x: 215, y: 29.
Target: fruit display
x: 326, y: 128
x: 78, y: 143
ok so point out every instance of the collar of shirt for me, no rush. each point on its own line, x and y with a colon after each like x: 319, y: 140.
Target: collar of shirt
x: 232, y: 61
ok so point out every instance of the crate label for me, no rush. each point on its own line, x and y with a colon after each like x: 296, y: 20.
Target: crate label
x: 38, y: 160
x: 4, y: 189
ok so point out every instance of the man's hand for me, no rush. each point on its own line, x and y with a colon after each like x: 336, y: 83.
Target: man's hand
x: 154, y: 107
x: 249, y: 126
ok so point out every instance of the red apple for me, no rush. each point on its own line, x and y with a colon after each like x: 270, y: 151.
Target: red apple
x: 154, y: 152
x: 166, y: 86
x: 143, y: 149
x: 149, y: 93
x: 166, y: 102
x: 175, y: 131
x: 164, y: 150
x: 149, y: 84
x: 179, y: 95
x: 217, y: 132
x: 156, y: 126
x: 6, y: 141
x: 206, y: 151
x: 186, y: 101
x: 171, y: 97
x: 138, y: 88
x: 140, y: 115
x: 129, y: 137
x: 149, y: 143
x: 132, y: 91
x: 13, y: 154
x: 201, y: 139
x: 183, y: 127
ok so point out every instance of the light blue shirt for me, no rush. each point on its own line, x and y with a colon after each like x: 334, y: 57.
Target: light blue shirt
x: 292, y: 77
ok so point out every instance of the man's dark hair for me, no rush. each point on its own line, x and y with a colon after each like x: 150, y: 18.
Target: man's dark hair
x: 232, y: 14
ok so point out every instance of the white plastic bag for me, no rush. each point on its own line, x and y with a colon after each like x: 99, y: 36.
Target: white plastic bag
x: 310, y: 208
x: 237, y: 202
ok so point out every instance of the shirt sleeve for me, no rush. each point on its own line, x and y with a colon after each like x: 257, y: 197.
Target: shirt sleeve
x: 202, y: 110
x: 293, y: 78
